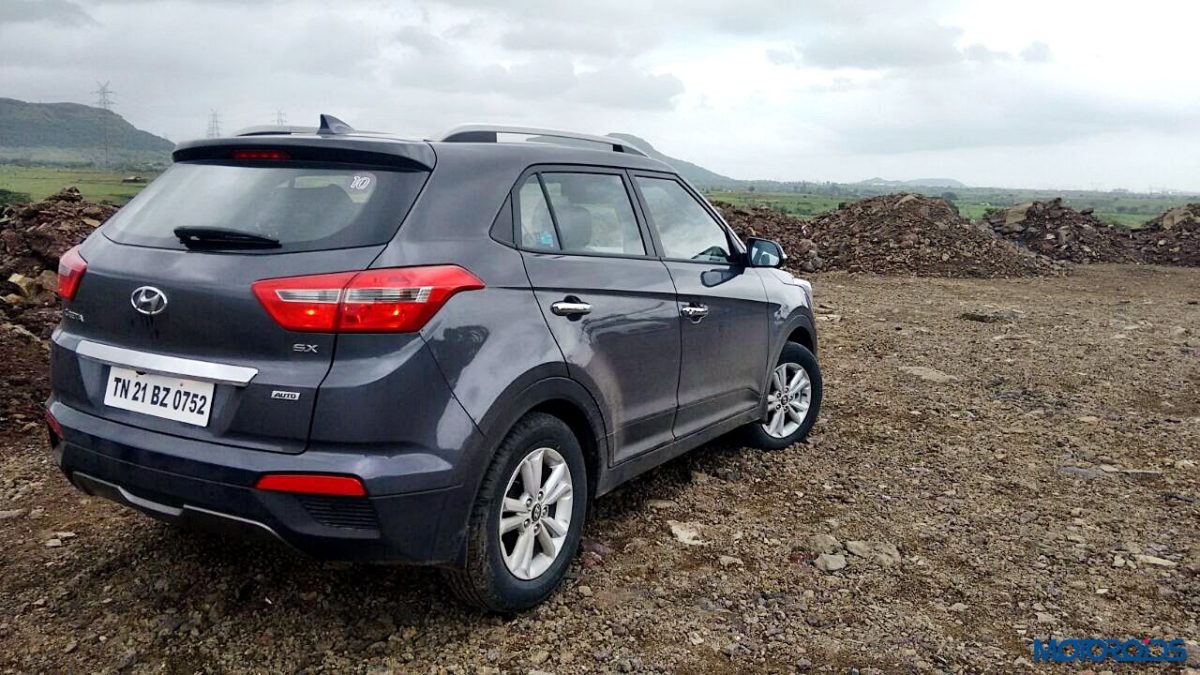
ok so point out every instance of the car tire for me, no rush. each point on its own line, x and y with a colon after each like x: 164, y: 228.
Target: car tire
x: 804, y: 401
x: 499, y: 575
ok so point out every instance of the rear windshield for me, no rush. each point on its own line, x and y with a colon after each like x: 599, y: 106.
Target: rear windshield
x: 304, y: 207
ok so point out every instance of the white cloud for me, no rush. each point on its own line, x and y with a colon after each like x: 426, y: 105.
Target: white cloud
x: 826, y: 89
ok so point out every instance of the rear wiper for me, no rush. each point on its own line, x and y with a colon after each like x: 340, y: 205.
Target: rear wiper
x: 219, y: 237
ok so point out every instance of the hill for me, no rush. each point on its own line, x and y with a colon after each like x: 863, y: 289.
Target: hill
x: 73, y: 134
x: 916, y: 182
x: 697, y: 175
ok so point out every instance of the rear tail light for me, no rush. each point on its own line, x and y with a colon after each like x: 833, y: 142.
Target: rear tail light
x: 393, y: 300
x: 313, y: 484
x: 55, y: 427
x: 71, y: 267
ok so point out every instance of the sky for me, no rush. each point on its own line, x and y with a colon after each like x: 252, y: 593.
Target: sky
x: 1021, y: 93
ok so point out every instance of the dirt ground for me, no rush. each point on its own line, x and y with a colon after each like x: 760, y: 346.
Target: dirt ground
x: 1031, y: 447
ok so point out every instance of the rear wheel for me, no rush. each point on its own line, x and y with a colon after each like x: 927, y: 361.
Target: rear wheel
x: 527, y: 520
x: 793, y: 400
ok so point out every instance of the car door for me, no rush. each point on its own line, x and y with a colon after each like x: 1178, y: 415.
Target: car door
x: 608, y: 300
x: 723, y: 305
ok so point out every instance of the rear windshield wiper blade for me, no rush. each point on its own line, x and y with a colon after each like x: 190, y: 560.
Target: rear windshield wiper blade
x: 220, y: 237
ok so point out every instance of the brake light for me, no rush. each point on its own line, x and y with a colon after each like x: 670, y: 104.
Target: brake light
x: 313, y: 484
x: 392, y: 300
x: 261, y: 155
x: 71, y: 267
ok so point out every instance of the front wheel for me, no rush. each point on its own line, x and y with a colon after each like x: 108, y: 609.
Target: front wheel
x: 793, y: 400
x: 527, y: 519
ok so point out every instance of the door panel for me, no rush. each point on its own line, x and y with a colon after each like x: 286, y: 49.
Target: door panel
x: 722, y: 350
x: 626, y: 348
x: 722, y: 302
x: 612, y: 311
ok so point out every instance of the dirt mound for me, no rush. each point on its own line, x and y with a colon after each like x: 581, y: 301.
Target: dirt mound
x: 32, y: 237
x: 1062, y: 233
x: 791, y: 232
x: 918, y: 235
x: 1172, y: 238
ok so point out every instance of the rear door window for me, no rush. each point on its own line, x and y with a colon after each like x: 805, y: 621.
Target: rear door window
x: 578, y: 212
x: 594, y: 213
x: 685, y: 228
x: 303, y: 207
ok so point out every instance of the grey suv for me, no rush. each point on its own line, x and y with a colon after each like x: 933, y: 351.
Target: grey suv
x: 426, y: 352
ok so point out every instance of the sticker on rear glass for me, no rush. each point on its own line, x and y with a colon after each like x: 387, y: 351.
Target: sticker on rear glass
x: 360, y: 183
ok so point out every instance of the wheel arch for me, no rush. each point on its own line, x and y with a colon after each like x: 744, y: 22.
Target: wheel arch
x: 563, y: 398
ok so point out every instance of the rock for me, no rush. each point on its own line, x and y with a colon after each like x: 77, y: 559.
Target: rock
x: 48, y: 281
x: 885, y: 554
x: 539, y: 657
x: 824, y: 543
x: 827, y: 562
x: 729, y: 561
x: 53, y: 543
x: 958, y: 608
x: 990, y: 315
x: 686, y: 533
x: 590, y: 546
x: 861, y: 549
x: 929, y: 374
x: 27, y: 286
x: 585, y: 591
x: 662, y: 504
x: 1089, y: 419
x: 804, y: 664
x: 1144, y: 559
x: 1046, y: 617
x: 1078, y: 472
x: 11, y: 514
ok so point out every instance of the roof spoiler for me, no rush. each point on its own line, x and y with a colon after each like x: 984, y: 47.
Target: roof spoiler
x: 329, y: 126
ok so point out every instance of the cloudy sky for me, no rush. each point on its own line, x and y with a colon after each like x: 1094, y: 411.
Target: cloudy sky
x: 1020, y: 93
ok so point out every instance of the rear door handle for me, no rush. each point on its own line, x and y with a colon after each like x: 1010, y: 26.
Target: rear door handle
x: 571, y: 307
x: 694, y: 312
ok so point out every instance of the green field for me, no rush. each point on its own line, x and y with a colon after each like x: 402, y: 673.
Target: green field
x: 1119, y: 208
x: 96, y: 185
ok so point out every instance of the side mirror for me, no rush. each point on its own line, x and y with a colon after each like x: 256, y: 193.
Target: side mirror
x: 764, y: 253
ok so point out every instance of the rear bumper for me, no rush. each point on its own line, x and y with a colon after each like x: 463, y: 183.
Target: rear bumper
x: 212, y: 486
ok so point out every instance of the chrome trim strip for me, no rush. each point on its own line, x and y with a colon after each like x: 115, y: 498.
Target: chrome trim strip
x: 166, y: 365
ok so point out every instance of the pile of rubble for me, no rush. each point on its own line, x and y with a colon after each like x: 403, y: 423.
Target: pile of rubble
x: 918, y: 235
x: 1172, y: 238
x: 32, y: 237
x: 791, y: 232
x: 1062, y: 233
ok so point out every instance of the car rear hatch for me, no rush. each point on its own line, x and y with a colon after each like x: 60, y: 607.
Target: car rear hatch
x: 169, y: 328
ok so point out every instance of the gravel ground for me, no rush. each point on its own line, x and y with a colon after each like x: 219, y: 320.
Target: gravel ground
x: 997, y: 460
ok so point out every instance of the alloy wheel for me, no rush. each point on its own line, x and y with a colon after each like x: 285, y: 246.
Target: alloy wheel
x: 788, y: 400
x: 536, y: 514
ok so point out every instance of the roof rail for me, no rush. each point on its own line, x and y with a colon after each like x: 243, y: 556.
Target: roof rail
x: 330, y: 126
x: 487, y: 133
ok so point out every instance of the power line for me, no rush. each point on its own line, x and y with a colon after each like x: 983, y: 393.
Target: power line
x: 214, y: 124
x: 104, y: 102
x: 280, y: 118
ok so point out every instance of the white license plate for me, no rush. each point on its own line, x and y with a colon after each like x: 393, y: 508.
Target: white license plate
x: 173, y: 398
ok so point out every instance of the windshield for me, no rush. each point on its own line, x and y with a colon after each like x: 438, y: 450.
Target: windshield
x: 303, y: 207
